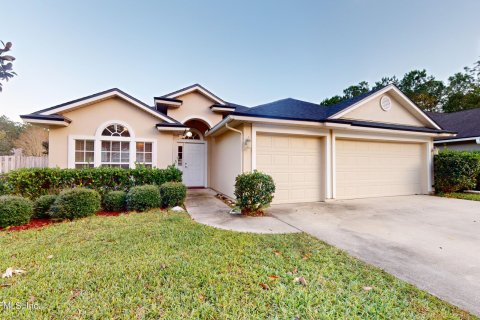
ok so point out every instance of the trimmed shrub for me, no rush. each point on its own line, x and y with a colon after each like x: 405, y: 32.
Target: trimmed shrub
x: 172, y: 194
x: 115, y: 201
x: 254, y: 192
x: 42, y: 205
x: 456, y: 170
x: 34, y: 182
x: 14, y: 211
x: 143, y: 198
x: 75, y: 203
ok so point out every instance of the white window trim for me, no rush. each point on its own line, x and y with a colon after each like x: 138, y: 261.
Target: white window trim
x: 97, y: 138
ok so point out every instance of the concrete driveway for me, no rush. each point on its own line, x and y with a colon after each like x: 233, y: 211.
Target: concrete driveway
x: 431, y: 242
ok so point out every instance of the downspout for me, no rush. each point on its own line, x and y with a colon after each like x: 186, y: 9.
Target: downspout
x: 241, y: 144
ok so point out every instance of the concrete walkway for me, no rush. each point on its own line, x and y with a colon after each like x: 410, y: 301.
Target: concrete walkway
x: 205, y: 208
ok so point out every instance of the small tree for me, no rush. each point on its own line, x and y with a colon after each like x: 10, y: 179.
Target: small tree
x: 31, y: 141
x: 6, y: 65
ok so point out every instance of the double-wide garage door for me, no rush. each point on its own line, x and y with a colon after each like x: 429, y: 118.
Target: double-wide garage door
x: 375, y: 169
x: 295, y: 163
x: 362, y: 168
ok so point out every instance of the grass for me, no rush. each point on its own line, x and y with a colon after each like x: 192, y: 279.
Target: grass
x: 164, y: 265
x: 464, y: 196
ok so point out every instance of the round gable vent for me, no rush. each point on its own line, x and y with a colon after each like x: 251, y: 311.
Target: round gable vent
x: 385, y: 103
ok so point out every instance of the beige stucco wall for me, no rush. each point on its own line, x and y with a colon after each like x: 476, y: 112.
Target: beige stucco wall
x: 225, y: 162
x: 86, y: 120
x: 195, y: 106
x: 371, y: 111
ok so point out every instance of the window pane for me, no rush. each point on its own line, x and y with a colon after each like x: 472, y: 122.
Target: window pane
x: 79, y: 166
x: 148, y: 157
x: 89, y: 157
x: 79, y: 156
x: 124, y: 166
x: 125, y: 146
x: 115, y: 145
x: 140, y: 157
x: 148, y: 146
x: 79, y: 145
x: 148, y: 166
x: 125, y: 156
x: 115, y: 157
x: 140, y: 146
x: 105, y: 156
x: 105, y: 145
x: 89, y: 145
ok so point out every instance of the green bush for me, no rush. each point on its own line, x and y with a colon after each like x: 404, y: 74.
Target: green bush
x: 34, y: 182
x: 172, y: 194
x: 75, y: 203
x: 254, y: 192
x: 42, y: 205
x: 143, y: 198
x: 456, y: 171
x: 14, y: 211
x: 115, y: 201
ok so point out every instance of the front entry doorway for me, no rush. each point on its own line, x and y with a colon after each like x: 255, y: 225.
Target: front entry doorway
x: 191, y: 160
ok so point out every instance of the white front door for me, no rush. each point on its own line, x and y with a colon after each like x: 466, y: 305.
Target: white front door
x: 191, y: 161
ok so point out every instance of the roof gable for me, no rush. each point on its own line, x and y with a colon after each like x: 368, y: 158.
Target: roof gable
x: 107, y: 94
x: 403, y: 111
x: 192, y: 88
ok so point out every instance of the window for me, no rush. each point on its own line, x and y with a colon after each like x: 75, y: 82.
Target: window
x: 180, y: 155
x: 84, y: 150
x: 144, y: 153
x: 116, y: 130
x: 115, y: 154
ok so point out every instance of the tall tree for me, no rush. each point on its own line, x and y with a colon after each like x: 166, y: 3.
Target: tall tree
x: 6, y: 63
x: 11, y: 131
x: 31, y: 141
x: 463, y: 90
x: 424, y: 90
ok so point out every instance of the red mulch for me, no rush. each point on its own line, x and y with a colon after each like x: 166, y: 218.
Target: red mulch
x: 40, y: 223
x: 110, y: 213
x: 33, y: 224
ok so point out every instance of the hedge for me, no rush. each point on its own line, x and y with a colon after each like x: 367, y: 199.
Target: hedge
x: 32, y: 183
x: 115, y: 201
x: 42, y: 205
x: 143, y: 198
x: 254, y: 192
x: 75, y: 203
x: 456, y: 170
x: 14, y: 211
x: 172, y: 194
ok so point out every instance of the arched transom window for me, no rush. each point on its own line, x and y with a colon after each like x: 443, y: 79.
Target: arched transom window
x: 116, y: 130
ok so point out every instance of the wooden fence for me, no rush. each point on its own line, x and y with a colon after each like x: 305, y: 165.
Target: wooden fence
x: 9, y: 163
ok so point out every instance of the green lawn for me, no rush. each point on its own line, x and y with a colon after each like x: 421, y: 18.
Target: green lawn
x: 464, y: 196
x: 154, y: 264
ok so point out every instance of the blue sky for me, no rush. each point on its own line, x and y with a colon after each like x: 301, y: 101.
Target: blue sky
x: 248, y: 52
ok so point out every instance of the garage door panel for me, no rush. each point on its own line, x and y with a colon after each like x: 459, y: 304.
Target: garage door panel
x: 372, y: 169
x: 294, y: 162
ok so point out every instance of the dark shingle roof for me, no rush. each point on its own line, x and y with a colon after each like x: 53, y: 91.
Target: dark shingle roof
x: 301, y: 110
x: 466, y: 123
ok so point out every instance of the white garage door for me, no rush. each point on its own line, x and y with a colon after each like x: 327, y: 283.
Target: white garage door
x: 295, y: 164
x: 374, y: 169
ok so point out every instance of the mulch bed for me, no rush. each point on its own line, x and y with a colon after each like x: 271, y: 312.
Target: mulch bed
x: 40, y: 223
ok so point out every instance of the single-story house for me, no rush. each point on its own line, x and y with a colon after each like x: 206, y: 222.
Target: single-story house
x: 467, y: 125
x: 376, y: 144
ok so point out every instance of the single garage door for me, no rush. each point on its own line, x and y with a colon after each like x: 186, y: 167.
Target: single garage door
x: 375, y: 169
x: 295, y: 164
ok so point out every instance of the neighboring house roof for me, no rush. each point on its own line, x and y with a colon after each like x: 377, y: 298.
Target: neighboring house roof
x: 53, y: 111
x: 466, y: 123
